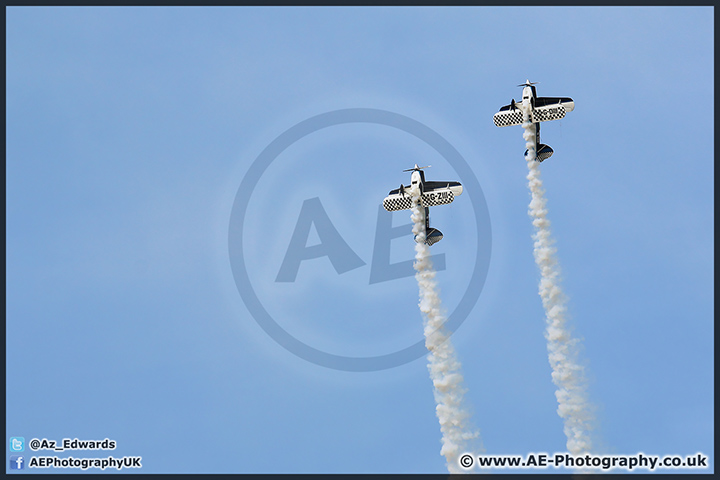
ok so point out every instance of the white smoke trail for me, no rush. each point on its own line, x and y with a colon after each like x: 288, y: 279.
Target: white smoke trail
x: 567, y: 373
x: 458, y: 435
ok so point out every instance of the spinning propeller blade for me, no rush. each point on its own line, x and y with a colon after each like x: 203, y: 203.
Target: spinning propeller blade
x: 416, y: 168
x: 528, y: 83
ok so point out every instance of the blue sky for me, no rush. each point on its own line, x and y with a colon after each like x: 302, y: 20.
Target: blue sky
x: 130, y: 130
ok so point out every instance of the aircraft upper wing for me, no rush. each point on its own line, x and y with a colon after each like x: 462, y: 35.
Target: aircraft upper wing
x: 566, y: 102
x: 397, y: 190
x: 436, y: 185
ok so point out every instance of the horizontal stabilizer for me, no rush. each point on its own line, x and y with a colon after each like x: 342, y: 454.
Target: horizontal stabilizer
x: 432, y: 236
x: 544, y: 152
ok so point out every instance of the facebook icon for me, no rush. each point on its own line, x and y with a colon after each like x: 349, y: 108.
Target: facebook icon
x: 17, y: 462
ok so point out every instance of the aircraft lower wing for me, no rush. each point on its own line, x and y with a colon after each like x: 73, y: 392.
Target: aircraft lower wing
x: 439, y: 196
x: 395, y: 202
x: 551, y: 108
x: 507, y: 118
x: 546, y: 109
x: 548, y: 112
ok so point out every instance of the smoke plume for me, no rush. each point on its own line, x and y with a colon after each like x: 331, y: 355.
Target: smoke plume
x: 567, y: 373
x: 458, y: 436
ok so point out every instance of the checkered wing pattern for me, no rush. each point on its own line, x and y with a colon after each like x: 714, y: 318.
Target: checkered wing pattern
x: 433, y: 199
x: 548, y: 112
x: 397, y: 202
x: 508, y: 118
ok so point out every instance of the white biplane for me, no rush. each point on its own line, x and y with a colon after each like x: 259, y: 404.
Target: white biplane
x: 431, y: 194
x: 541, y: 109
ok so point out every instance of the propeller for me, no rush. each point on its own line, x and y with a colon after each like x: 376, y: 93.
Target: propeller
x: 528, y: 83
x: 416, y: 168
